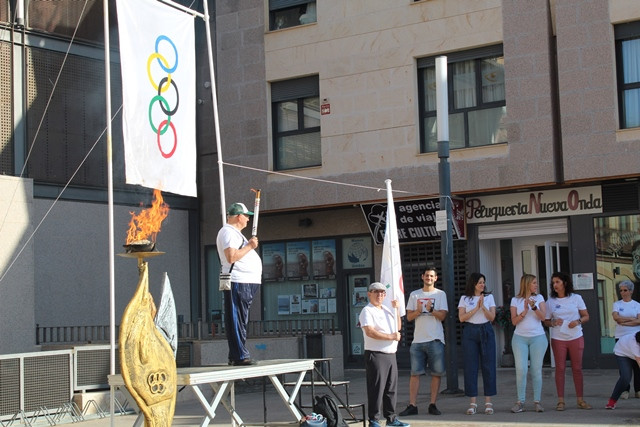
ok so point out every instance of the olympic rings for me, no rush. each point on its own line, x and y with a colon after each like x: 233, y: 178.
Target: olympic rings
x: 164, y: 110
x: 162, y: 101
x: 175, y: 139
x: 162, y: 87
x: 151, y: 58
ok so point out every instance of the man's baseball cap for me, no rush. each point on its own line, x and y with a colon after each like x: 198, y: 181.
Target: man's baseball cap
x: 377, y: 286
x: 237, y: 209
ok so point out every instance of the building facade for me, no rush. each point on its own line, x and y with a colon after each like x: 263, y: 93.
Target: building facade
x: 320, y: 102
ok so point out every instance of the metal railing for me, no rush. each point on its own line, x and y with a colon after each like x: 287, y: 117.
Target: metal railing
x: 188, y: 331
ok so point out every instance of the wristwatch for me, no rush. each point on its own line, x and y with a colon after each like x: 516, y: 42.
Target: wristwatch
x: 534, y: 308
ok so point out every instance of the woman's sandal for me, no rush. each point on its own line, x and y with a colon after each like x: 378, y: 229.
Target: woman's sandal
x: 488, y: 408
x: 583, y: 405
x: 473, y: 407
x: 560, y: 406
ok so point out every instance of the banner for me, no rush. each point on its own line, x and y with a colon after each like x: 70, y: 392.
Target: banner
x: 157, y: 56
x: 391, y: 268
x: 416, y: 220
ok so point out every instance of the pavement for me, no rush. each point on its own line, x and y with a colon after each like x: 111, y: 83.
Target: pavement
x: 598, y: 384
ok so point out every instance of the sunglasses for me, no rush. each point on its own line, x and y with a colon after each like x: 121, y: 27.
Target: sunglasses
x: 624, y: 290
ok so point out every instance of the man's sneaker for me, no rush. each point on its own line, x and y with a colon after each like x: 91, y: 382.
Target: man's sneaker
x: 374, y: 423
x: 518, y: 407
x: 624, y: 395
x: 611, y: 404
x: 433, y: 410
x: 411, y: 410
x: 397, y: 423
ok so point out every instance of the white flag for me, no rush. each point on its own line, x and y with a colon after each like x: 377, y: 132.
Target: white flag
x: 157, y: 56
x: 391, y: 270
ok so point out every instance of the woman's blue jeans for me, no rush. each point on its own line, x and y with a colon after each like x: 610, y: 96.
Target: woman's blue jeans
x: 523, y: 349
x: 479, y: 348
x: 625, y: 366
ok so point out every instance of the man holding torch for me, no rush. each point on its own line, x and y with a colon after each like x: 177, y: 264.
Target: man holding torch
x: 239, y: 258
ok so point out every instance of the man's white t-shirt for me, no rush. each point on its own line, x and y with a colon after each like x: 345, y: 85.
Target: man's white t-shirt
x: 382, y: 320
x: 247, y: 269
x: 427, y: 327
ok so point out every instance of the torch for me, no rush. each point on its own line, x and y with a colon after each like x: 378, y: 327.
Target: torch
x: 256, y: 211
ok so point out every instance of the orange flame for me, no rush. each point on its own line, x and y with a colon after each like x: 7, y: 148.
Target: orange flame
x: 147, y: 224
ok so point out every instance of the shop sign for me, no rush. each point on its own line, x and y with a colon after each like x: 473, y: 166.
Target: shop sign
x: 534, y: 205
x: 416, y: 220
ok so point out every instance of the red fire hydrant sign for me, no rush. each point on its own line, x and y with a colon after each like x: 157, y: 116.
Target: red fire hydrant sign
x: 325, y: 109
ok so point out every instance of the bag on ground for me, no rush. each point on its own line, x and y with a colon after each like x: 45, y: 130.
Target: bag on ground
x: 328, y: 407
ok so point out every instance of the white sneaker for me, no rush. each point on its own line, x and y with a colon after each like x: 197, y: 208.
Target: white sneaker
x: 624, y: 395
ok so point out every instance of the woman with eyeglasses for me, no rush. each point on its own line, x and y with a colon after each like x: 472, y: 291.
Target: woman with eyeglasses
x: 626, y: 314
x: 566, y: 312
x: 476, y: 310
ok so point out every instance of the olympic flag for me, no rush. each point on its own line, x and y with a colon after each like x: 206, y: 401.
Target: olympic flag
x: 391, y: 269
x: 157, y: 56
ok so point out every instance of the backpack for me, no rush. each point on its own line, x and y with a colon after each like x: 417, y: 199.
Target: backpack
x: 328, y: 407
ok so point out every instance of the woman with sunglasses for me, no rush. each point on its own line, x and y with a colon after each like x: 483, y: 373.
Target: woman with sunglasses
x: 626, y: 314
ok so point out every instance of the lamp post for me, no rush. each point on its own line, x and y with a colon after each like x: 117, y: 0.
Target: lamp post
x: 446, y: 237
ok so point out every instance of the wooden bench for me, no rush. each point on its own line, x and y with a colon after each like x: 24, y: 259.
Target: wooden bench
x: 318, y: 379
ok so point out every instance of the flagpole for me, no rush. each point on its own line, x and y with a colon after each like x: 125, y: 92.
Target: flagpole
x: 387, y: 182
x: 216, y: 121
x: 112, y: 299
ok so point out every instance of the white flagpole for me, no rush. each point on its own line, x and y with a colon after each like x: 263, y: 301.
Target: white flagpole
x: 112, y: 298
x: 216, y: 121
x: 393, y: 279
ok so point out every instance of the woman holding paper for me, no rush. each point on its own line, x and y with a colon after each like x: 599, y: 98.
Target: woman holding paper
x: 566, y: 312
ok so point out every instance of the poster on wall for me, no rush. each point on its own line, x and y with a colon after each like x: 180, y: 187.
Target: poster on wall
x: 356, y: 253
x: 283, y: 304
x: 310, y: 290
x: 324, y: 259
x: 332, y: 305
x: 294, y: 306
x: 322, y: 305
x: 359, y: 297
x: 298, y: 255
x: 273, y: 256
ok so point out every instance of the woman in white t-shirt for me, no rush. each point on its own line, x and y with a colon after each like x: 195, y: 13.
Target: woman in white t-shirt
x: 528, y: 310
x: 626, y: 314
x: 566, y: 312
x: 477, y: 310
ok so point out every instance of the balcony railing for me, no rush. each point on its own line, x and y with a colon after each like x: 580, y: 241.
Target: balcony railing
x: 188, y: 331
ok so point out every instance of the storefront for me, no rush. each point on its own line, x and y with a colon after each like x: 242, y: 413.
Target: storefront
x: 574, y: 230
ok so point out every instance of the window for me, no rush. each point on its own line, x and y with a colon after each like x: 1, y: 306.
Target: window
x: 628, y: 66
x: 289, y: 13
x: 476, y: 99
x: 296, y: 123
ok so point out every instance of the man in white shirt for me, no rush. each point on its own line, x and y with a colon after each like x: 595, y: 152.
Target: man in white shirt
x: 381, y: 330
x: 428, y: 308
x: 238, y: 256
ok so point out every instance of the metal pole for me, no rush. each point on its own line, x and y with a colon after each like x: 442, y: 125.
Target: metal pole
x: 216, y: 118
x: 446, y: 237
x: 112, y: 283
